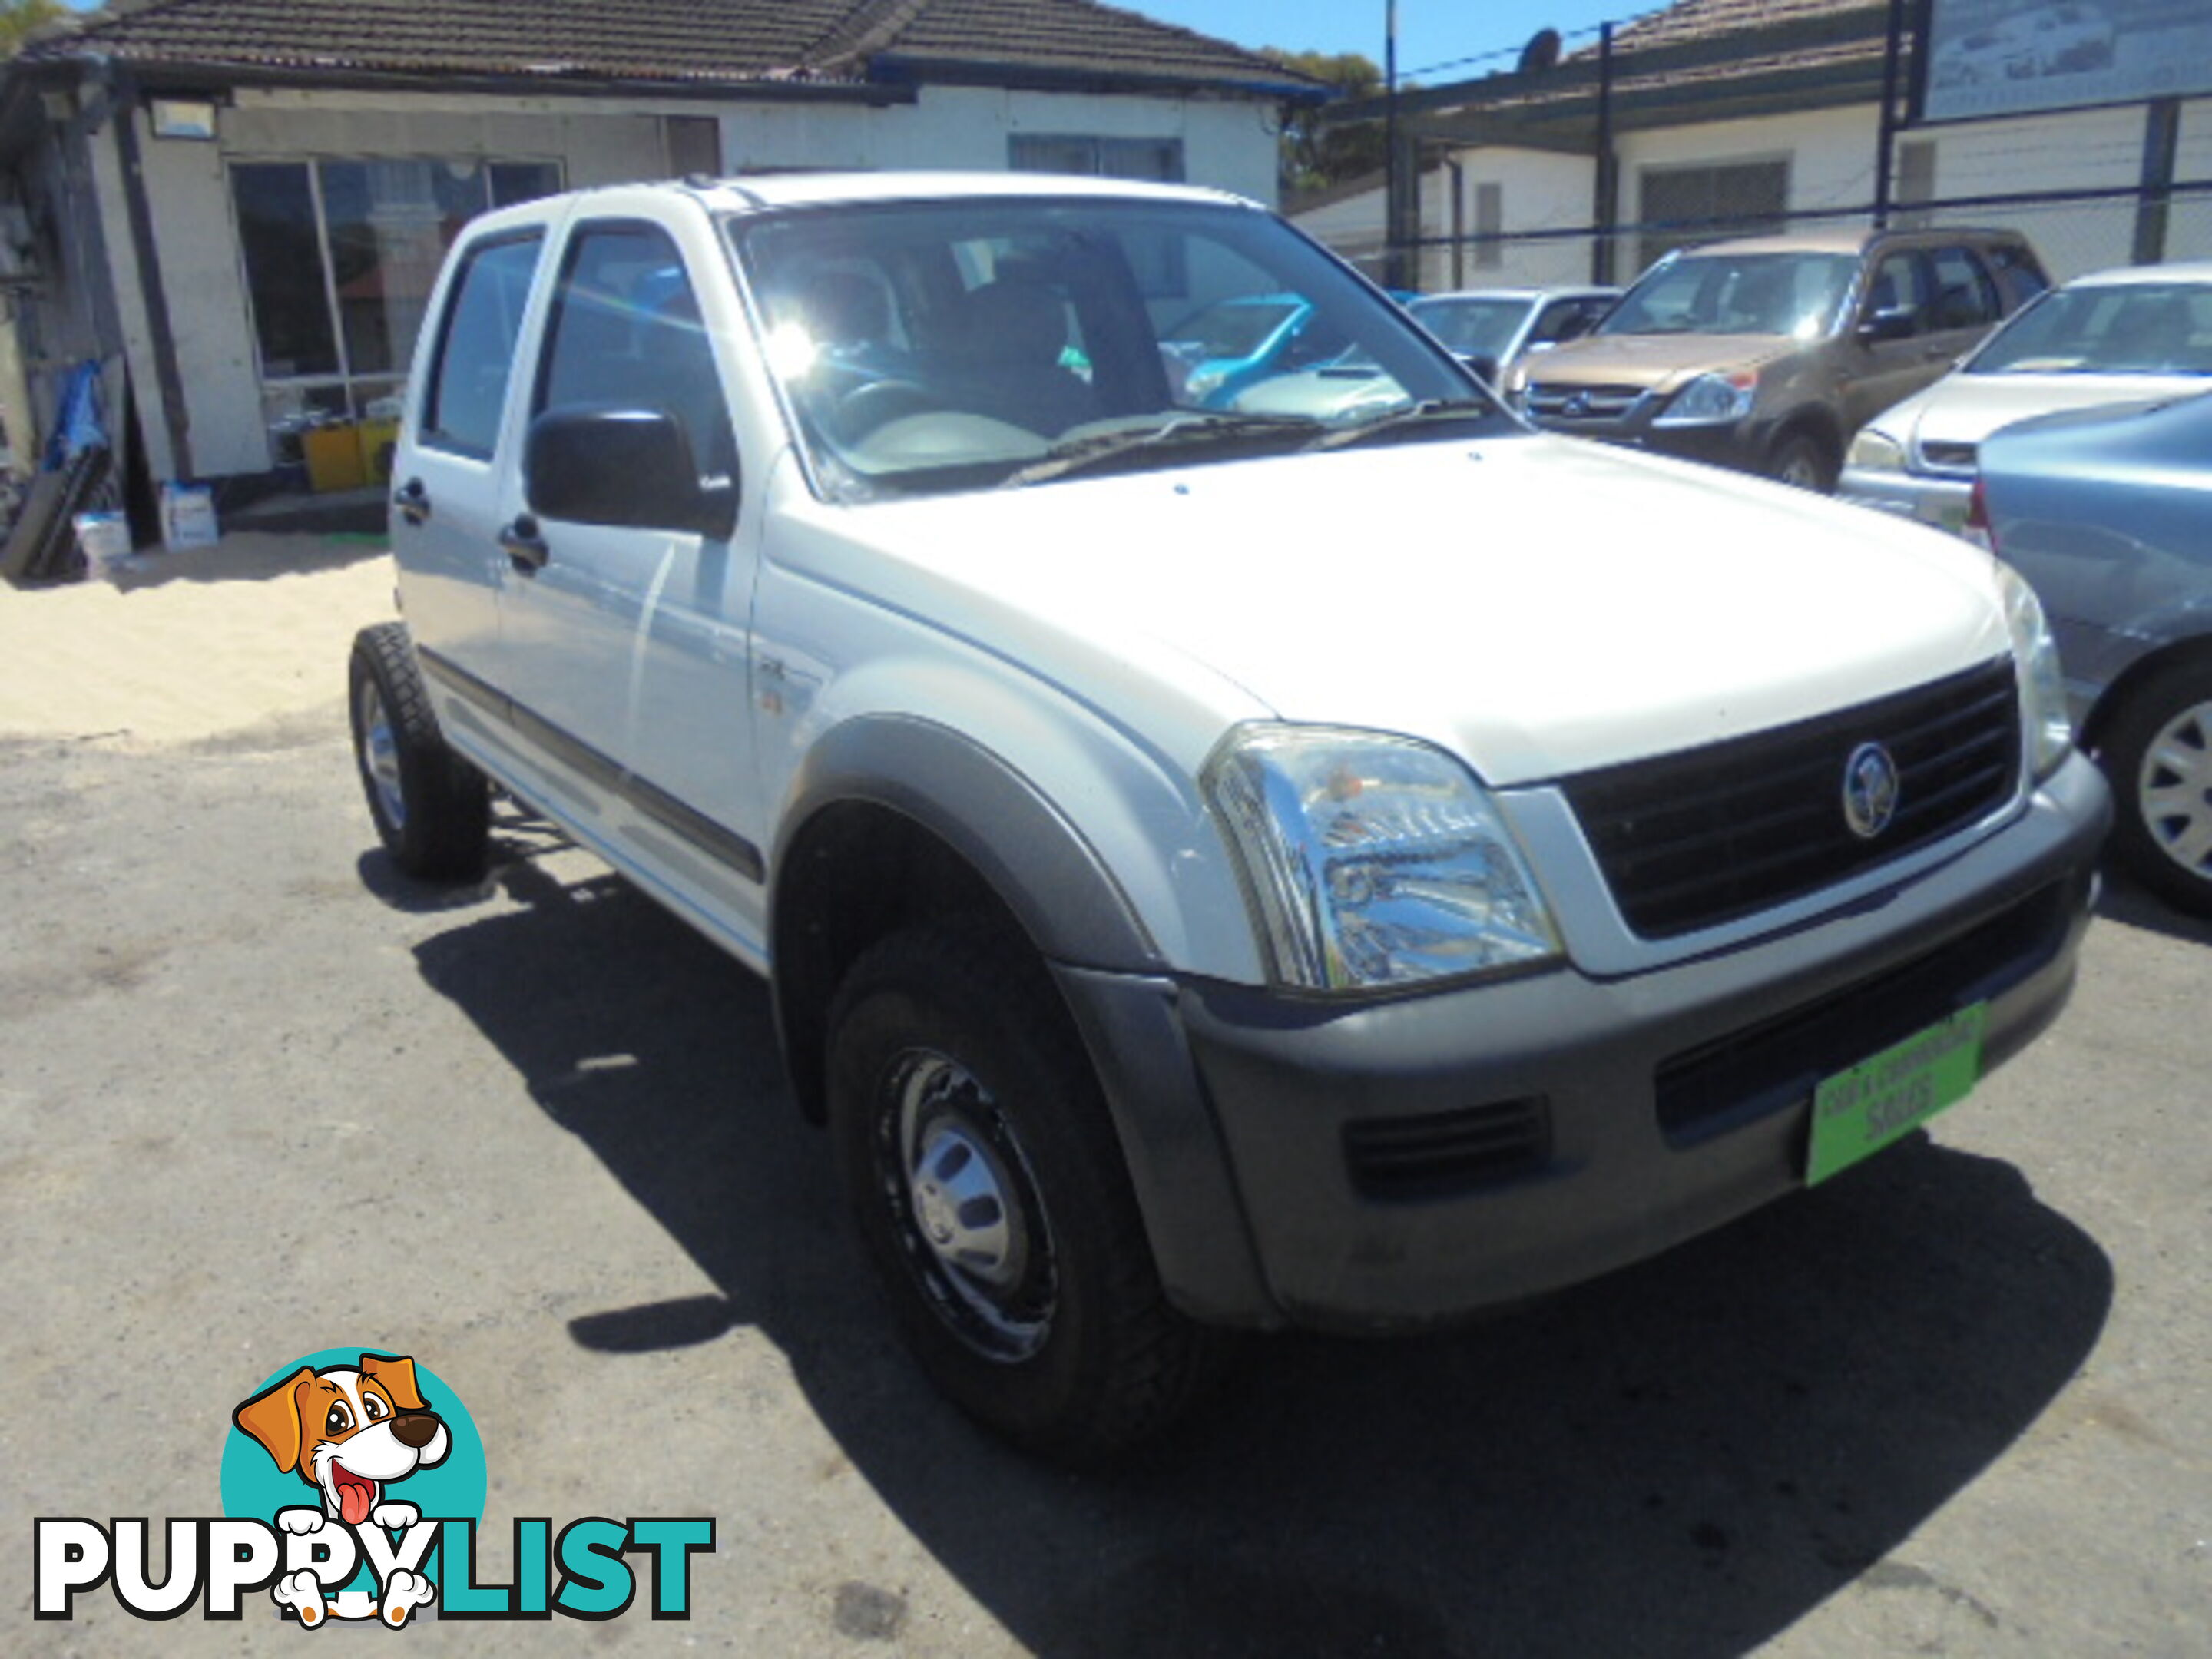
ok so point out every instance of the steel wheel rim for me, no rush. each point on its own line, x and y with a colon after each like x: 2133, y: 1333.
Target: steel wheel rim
x: 1800, y: 470
x: 964, y: 1208
x: 380, y: 756
x: 2173, y: 790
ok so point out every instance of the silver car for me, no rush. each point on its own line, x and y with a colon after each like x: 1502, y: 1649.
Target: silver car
x: 2118, y: 336
x: 1490, y: 329
x: 2108, y: 513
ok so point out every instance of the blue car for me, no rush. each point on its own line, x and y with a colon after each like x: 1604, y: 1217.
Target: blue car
x: 1220, y: 348
x: 2108, y: 513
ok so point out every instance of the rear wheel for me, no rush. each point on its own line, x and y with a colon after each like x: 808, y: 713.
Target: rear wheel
x: 990, y: 1195
x: 2158, y: 753
x: 431, y: 808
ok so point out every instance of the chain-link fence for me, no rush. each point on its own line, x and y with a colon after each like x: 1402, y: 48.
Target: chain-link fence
x: 2074, y: 231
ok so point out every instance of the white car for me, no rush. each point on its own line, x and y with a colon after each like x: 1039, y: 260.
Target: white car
x: 2141, y: 333
x: 1216, y: 871
x: 1489, y: 330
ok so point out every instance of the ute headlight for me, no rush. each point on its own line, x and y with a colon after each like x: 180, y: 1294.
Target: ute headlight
x: 1710, y: 400
x: 1373, y: 861
x: 1875, y: 451
x: 2047, y: 727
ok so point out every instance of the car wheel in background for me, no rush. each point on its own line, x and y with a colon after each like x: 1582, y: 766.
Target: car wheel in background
x: 986, y: 1179
x: 2158, y: 753
x: 431, y: 808
x: 1800, y: 459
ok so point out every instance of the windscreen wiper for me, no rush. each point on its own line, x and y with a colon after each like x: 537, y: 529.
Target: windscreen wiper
x: 1193, y: 428
x: 1432, y: 408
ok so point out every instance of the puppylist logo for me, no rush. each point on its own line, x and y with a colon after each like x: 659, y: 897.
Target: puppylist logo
x: 310, y: 1516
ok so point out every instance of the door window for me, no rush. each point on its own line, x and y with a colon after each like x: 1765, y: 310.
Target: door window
x: 1965, y: 295
x: 476, y: 353
x: 625, y: 331
x: 1897, y: 286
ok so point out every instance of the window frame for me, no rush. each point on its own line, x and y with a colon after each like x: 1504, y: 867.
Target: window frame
x: 350, y: 383
x: 466, y: 252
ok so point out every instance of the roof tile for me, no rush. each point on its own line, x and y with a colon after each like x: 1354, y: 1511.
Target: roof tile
x: 707, y: 41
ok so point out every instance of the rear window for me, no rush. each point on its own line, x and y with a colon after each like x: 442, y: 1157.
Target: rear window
x: 2019, y: 275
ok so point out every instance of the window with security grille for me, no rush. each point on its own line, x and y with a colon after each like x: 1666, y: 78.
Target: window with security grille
x: 1683, y: 206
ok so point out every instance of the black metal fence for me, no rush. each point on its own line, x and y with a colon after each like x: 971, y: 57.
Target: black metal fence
x: 2075, y: 231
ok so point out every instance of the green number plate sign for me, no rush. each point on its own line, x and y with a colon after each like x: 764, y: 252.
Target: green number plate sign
x: 1861, y: 1111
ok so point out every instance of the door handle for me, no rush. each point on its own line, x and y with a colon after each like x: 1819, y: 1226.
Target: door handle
x: 412, y: 501
x: 525, y: 547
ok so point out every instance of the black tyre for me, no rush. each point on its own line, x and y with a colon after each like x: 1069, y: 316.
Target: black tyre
x: 2158, y: 753
x: 432, y: 809
x: 1800, y: 459
x: 991, y: 1197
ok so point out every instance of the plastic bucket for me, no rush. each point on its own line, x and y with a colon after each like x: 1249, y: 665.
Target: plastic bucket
x: 104, y: 538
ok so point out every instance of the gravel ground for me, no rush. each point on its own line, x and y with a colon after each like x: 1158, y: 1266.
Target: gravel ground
x: 261, y: 1096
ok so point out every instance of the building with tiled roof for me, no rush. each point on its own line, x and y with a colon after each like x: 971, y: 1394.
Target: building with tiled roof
x: 240, y: 205
x: 1711, y: 116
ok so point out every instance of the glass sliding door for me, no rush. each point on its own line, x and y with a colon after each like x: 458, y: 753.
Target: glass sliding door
x: 339, y: 258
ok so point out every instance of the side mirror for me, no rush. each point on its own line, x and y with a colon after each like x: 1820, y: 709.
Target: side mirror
x: 629, y: 468
x: 1485, y: 367
x: 1890, y: 323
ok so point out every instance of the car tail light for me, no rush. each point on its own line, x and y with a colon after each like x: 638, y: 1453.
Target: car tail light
x: 1978, y: 528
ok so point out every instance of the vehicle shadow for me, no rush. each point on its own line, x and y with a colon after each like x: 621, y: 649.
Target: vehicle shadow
x: 2126, y: 901
x: 1680, y: 1460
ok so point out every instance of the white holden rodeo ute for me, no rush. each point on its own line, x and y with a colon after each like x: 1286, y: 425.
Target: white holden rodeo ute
x: 1217, y: 870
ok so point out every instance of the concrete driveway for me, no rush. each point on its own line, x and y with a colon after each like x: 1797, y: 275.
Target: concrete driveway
x: 259, y: 1096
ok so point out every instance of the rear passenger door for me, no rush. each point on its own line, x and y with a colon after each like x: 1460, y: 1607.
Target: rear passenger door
x: 448, y: 473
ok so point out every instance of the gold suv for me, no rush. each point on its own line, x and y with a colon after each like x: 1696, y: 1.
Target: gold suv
x: 1767, y: 354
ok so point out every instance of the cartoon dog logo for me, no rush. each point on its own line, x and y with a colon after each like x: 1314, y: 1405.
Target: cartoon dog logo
x: 349, y: 1432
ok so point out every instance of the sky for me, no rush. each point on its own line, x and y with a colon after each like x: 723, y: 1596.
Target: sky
x: 1431, y: 33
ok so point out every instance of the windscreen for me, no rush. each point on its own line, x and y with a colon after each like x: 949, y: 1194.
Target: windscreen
x: 2136, y: 328
x: 1793, y: 295
x: 933, y: 346
x: 1472, y: 328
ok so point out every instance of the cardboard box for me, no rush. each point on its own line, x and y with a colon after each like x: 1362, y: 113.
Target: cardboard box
x: 188, y: 517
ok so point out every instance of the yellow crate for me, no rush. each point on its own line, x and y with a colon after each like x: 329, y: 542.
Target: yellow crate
x: 378, y: 440
x: 333, y: 455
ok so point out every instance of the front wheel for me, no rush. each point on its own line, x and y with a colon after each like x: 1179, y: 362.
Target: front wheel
x: 2158, y: 754
x: 431, y: 808
x: 1801, y: 459
x: 984, y: 1176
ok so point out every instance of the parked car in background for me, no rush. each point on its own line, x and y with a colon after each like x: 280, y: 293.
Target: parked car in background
x: 1489, y: 330
x: 1222, y: 348
x: 2108, y: 513
x: 1767, y: 354
x: 2118, y: 336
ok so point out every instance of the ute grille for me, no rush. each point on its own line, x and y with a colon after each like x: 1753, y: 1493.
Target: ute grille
x: 1703, y: 837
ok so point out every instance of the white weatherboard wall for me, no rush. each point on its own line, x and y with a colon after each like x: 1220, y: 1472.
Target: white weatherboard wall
x: 1351, y: 226
x: 2188, y: 220
x: 1538, y: 189
x: 188, y: 194
x: 1227, y: 143
x: 2077, y: 149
